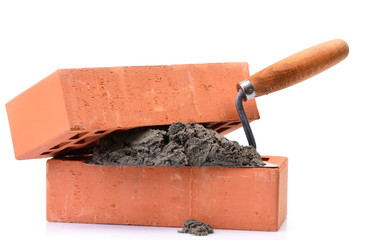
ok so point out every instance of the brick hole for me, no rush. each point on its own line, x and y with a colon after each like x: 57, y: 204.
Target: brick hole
x: 233, y: 123
x: 59, y: 145
x: 222, y: 129
x: 215, y: 125
x: 86, y: 140
x: 91, y: 144
x: 68, y: 149
x: 100, y: 132
x: 76, y: 151
x: 80, y: 141
x: 265, y: 159
x: 77, y: 136
x: 45, y: 153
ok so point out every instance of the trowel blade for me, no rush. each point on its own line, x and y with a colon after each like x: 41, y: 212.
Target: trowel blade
x: 270, y: 165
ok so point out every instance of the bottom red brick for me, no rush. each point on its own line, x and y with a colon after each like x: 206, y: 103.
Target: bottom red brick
x: 226, y: 198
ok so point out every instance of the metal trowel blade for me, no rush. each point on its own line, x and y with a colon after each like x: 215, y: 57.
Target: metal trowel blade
x: 270, y: 165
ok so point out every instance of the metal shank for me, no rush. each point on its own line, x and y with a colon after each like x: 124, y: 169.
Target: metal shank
x: 245, y: 124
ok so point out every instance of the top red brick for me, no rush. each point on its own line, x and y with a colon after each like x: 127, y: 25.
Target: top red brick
x: 72, y: 108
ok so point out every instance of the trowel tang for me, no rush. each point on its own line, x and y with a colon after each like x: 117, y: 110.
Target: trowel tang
x: 287, y: 72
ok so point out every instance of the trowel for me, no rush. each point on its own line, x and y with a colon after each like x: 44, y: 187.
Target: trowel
x: 285, y: 73
x: 282, y: 74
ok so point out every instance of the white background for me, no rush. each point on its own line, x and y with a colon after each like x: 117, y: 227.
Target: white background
x: 320, y: 124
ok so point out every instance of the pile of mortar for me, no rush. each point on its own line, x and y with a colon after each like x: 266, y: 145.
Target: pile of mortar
x: 179, y: 145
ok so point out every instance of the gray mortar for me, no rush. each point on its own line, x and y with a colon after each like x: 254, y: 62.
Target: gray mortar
x: 196, y: 227
x: 183, y: 144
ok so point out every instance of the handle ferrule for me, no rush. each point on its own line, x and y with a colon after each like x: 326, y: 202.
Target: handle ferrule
x: 247, y: 88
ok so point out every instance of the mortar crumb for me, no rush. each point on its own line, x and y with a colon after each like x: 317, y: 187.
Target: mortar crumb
x: 197, y: 228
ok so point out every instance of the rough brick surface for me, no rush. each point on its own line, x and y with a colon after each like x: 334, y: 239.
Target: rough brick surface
x: 72, y: 108
x: 228, y: 198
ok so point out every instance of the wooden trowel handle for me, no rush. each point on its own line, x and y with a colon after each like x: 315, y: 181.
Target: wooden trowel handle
x: 299, y: 67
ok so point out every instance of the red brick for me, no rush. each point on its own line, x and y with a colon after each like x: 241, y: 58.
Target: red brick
x: 227, y: 198
x: 73, y: 108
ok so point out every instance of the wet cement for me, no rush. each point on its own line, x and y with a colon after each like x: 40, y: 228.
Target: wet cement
x: 196, y: 227
x: 181, y: 144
